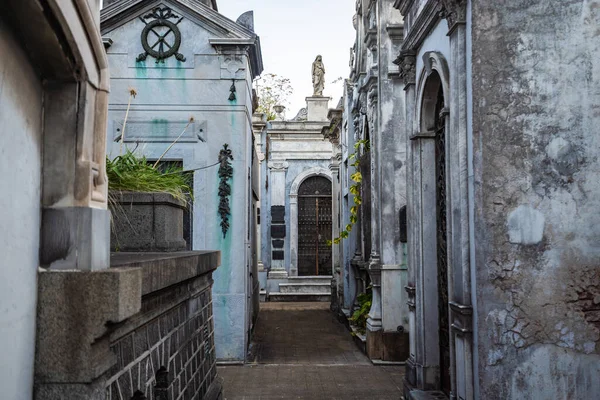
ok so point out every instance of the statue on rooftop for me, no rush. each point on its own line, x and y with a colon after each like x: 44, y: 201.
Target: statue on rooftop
x: 318, y: 76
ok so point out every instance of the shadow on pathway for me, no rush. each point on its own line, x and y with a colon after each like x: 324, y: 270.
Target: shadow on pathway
x: 301, y: 351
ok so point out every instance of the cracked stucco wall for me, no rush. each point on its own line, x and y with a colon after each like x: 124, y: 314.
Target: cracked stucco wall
x: 536, y: 119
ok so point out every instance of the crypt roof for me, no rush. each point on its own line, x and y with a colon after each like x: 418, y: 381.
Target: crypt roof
x: 226, y: 32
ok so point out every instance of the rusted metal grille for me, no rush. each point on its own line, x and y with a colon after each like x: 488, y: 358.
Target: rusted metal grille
x: 442, y: 242
x: 314, y: 227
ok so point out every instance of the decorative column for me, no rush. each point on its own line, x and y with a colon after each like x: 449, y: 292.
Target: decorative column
x: 374, y: 323
x: 460, y: 304
x: 357, y: 263
x: 259, y: 124
x: 278, y: 171
x: 407, y: 63
x: 332, y: 133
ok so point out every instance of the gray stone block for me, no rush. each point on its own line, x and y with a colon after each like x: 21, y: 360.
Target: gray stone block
x: 75, y: 238
x: 74, y: 308
x: 147, y: 222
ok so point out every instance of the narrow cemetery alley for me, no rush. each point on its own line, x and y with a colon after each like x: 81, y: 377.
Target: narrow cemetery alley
x: 301, y: 351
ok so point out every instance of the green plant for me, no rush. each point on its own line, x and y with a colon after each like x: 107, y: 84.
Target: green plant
x: 272, y: 90
x: 355, y: 189
x: 129, y: 172
x: 360, y: 316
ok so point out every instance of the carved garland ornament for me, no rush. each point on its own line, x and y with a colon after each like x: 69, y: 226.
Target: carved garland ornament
x: 225, y: 174
x: 161, y: 38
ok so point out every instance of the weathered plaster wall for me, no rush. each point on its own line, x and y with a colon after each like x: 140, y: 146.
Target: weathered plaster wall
x: 392, y: 147
x: 351, y: 244
x: 168, y: 95
x: 20, y: 168
x: 536, y: 90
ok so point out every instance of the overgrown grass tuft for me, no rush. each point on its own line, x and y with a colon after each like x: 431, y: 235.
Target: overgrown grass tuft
x: 132, y: 173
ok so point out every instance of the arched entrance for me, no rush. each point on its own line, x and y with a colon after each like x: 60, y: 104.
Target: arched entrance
x: 433, y: 118
x: 314, y: 226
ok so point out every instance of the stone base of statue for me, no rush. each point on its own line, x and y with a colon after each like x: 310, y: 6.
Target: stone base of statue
x: 317, y: 107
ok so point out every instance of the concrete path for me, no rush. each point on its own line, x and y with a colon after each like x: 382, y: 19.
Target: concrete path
x: 301, y: 351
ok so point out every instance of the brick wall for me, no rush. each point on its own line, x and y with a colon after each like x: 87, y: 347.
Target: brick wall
x: 170, y: 356
x: 142, y: 329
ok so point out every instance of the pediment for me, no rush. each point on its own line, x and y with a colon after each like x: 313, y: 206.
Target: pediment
x: 122, y: 12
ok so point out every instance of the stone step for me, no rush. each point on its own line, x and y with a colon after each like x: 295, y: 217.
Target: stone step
x: 309, y: 279
x: 299, y: 297
x: 324, y: 288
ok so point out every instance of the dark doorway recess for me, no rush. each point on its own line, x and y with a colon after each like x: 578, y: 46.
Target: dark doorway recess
x: 435, y: 95
x: 314, y: 227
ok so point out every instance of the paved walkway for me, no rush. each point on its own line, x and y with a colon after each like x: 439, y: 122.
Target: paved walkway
x: 301, y: 351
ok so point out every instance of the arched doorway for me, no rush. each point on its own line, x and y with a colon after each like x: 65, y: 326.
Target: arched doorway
x: 314, y: 227
x: 433, y: 119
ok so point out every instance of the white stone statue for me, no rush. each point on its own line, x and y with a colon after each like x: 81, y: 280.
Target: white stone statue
x: 318, y: 76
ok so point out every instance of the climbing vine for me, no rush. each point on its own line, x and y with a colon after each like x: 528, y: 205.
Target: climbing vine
x: 225, y: 174
x: 355, y: 190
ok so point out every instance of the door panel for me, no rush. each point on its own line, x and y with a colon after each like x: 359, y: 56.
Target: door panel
x: 314, y: 227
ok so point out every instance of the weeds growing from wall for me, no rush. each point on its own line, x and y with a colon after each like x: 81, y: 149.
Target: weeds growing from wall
x: 355, y: 189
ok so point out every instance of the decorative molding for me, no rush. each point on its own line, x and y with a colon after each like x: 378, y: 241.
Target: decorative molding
x: 423, y: 135
x: 460, y: 308
x: 407, y: 61
x: 232, y: 66
x: 315, y: 171
x: 433, y: 60
x: 232, y: 91
x: 278, y: 165
x: 157, y: 44
x: 423, y: 25
x: 301, y: 116
x: 225, y: 174
x: 455, y: 12
x: 395, y: 32
x: 403, y: 6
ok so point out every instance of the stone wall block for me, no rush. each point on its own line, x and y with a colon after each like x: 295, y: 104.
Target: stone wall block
x: 74, y: 308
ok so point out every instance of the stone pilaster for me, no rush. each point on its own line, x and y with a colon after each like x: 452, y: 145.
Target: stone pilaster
x: 374, y: 322
x: 278, y: 170
x: 459, y: 293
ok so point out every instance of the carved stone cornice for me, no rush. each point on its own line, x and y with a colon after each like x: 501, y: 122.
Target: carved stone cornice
x: 407, y: 61
x: 427, y: 19
x: 369, y: 81
x: 395, y: 32
x: 455, y: 12
x: 371, y: 38
x: 403, y: 6
x: 278, y: 165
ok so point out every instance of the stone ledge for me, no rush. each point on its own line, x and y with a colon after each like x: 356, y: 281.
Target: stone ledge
x: 161, y: 270
x: 74, y: 308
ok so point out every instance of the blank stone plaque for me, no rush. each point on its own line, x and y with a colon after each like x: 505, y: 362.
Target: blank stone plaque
x: 278, y: 231
x: 278, y: 214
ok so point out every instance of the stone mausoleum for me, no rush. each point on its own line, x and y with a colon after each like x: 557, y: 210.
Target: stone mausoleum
x: 192, y: 69
x: 296, y: 203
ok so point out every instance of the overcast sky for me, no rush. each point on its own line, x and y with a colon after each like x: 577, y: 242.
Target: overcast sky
x: 293, y: 33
